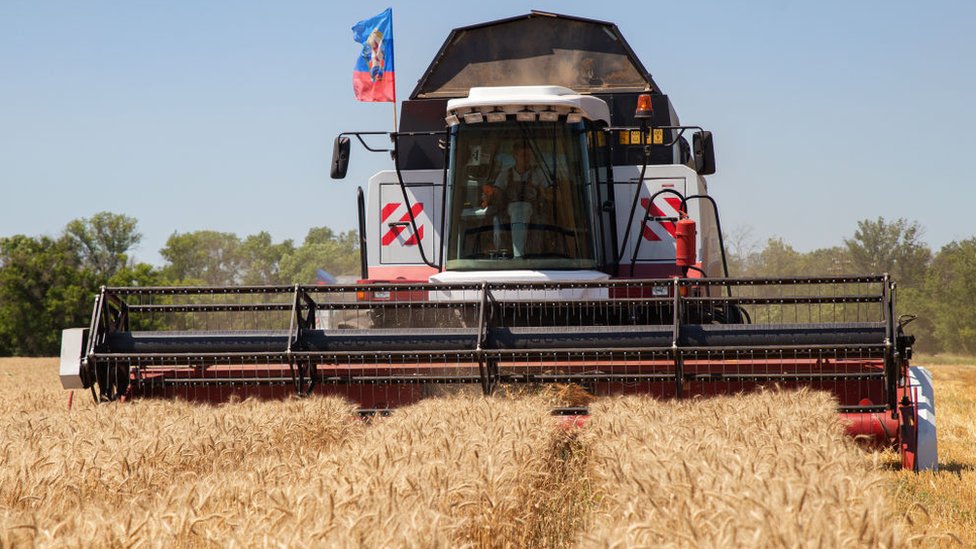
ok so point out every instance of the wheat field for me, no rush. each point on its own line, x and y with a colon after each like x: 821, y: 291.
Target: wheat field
x: 763, y: 470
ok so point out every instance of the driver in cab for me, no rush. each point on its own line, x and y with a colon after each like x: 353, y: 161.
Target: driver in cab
x: 520, y: 187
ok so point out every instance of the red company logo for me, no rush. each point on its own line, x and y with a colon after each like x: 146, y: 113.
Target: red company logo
x: 402, y: 224
x: 668, y: 226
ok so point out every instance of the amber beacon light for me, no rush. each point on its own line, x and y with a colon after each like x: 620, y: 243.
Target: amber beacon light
x: 644, y: 108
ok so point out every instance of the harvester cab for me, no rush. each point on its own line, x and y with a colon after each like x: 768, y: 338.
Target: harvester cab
x: 545, y: 222
x: 527, y: 192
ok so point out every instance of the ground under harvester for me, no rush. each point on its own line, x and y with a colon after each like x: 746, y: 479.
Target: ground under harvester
x: 546, y: 223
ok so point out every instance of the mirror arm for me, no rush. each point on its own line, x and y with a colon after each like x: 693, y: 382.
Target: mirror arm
x: 392, y: 135
x: 359, y: 137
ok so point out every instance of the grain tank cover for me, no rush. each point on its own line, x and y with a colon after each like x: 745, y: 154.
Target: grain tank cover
x: 539, y: 48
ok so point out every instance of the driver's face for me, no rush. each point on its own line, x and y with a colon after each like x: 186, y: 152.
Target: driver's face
x: 521, y: 154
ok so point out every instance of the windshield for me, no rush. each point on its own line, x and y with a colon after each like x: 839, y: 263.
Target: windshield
x: 519, y: 197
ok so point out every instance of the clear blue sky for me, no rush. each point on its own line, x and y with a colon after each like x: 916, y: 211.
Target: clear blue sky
x: 220, y: 115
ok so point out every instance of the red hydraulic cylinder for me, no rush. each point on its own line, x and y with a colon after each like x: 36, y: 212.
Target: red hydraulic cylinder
x: 876, y: 429
x: 685, y: 243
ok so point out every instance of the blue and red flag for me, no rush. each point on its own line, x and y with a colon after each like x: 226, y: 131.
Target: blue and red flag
x: 372, y: 79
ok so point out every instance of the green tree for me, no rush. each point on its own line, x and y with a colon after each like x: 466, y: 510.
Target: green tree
x: 202, y: 257
x: 951, y: 285
x: 895, y: 248
x: 44, y: 288
x: 261, y: 259
x: 777, y: 259
x: 103, y: 241
x: 322, y: 249
x: 826, y: 262
x: 139, y: 274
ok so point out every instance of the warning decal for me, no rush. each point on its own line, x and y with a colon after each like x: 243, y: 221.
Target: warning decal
x: 397, y: 226
x: 659, y: 230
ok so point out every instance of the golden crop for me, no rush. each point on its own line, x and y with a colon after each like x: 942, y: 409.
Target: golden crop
x: 763, y: 470
x: 759, y: 470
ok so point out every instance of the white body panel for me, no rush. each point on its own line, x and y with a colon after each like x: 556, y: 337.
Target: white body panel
x: 568, y: 294
x: 657, y: 242
x: 392, y: 245
x: 72, y: 347
x: 927, y: 454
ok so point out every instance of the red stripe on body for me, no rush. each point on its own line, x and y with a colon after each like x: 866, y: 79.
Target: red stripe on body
x: 656, y: 211
x: 388, y: 210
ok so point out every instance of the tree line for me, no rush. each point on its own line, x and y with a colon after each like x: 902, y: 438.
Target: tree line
x: 938, y: 287
x: 47, y: 283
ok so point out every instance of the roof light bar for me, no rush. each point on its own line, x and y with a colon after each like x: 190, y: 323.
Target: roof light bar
x: 525, y: 116
x: 548, y: 116
x: 474, y: 118
x: 496, y: 116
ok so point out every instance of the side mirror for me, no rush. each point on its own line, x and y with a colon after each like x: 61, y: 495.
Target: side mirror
x: 704, y: 153
x: 340, y: 157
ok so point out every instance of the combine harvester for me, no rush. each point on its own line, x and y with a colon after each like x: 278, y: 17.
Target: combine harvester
x: 546, y: 222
